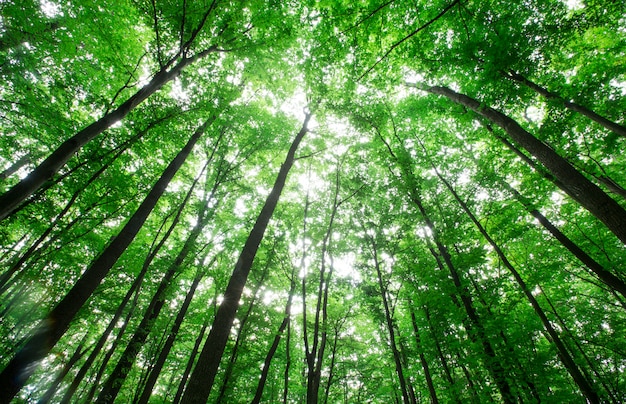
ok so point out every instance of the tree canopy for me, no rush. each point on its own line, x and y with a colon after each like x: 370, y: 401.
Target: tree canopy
x: 313, y: 201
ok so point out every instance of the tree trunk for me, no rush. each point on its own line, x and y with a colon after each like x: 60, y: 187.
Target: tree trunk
x: 605, y: 276
x: 568, y: 362
x: 57, y: 159
x: 203, y: 376
x: 169, y: 342
x: 389, y: 324
x: 608, y: 124
x: 52, y: 328
x: 274, y: 347
x: 586, y: 193
x: 114, y: 383
x: 52, y: 389
x: 241, y: 335
x: 418, y: 344
x: 190, y: 362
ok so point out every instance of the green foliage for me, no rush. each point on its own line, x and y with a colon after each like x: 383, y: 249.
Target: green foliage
x: 364, y: 190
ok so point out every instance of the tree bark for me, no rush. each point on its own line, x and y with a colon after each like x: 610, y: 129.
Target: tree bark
x: 568, y: 362
x: 52, y: 328
x: 423, y: 361
x: 114, y: 383
x: 203, y: 375
x: 57, y: 159
x: 389, y: 324
x: 169, y: 342
x: 549, y: 95
x: 270, y: 354
x: 586, y: 193
x: 190, y: 362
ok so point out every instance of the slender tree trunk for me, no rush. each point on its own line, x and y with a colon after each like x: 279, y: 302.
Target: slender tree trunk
x: 423, y: 361
x: 57, y: 159
x: 120, y: 309
x: 442, y: 358
x: 475, y: 329
x: 608, y: 124
x: 605, y: 276
x: 52, y: 328
x: 568, y: 362
x: 586, y: 193
x: 21, y: 162
x: 270, y: 354
x: 331, y: 367
x: 241, y: 335
x: 52, y: 389
x: 190, y: 362
x: 287, y: 364
x: 389, y: 324
x: 114, y: 383
x: 169, y: 342
x: 203, y: 376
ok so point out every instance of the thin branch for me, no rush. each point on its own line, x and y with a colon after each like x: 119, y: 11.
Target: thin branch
x: 370, y: 15
x: 409, y: 36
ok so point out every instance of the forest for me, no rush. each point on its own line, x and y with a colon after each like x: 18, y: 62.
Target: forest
x: 312, y: 201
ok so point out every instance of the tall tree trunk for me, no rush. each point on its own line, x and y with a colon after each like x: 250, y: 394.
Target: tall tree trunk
x: 52, y: 389
x: 57, y: 159
x: 270, y: 354
x: 423, y: 361
x: 134, y: 287
x: 169, y: 342
x: 549, y: 95
x: 241, y: 335
x: 389, y: 324
x: 287, y: 364
x: 568, y: 362
x: 605, y: 276
x: 114, y: 383
x: 586, y: 193
x: 203, y: 375
x: 475, y: 329
x: 52, y: 328
x: 190, y: 362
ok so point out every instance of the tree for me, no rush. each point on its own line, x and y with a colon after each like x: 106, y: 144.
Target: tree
x: 457, y: 239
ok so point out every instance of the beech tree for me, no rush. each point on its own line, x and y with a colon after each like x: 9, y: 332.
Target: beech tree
x: 312, y: 201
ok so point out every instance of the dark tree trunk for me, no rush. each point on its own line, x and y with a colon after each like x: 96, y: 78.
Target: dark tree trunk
x: 114, y: 383
x: 608, y: 124
x: 57, y: 159
x: 203, y: 375
x: 120, y: 309
x: 241, y: 336
x: 423, y: 361
x: 315, y: 356
x: 274, y: 347
x: 389, y: 324
x: 586, y: 193
x: 169, y: 342
x: 52, y: 328
x: 568, y: 362
x: 190, y: 362
x: 287, y: 364
x: 78, y: 353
